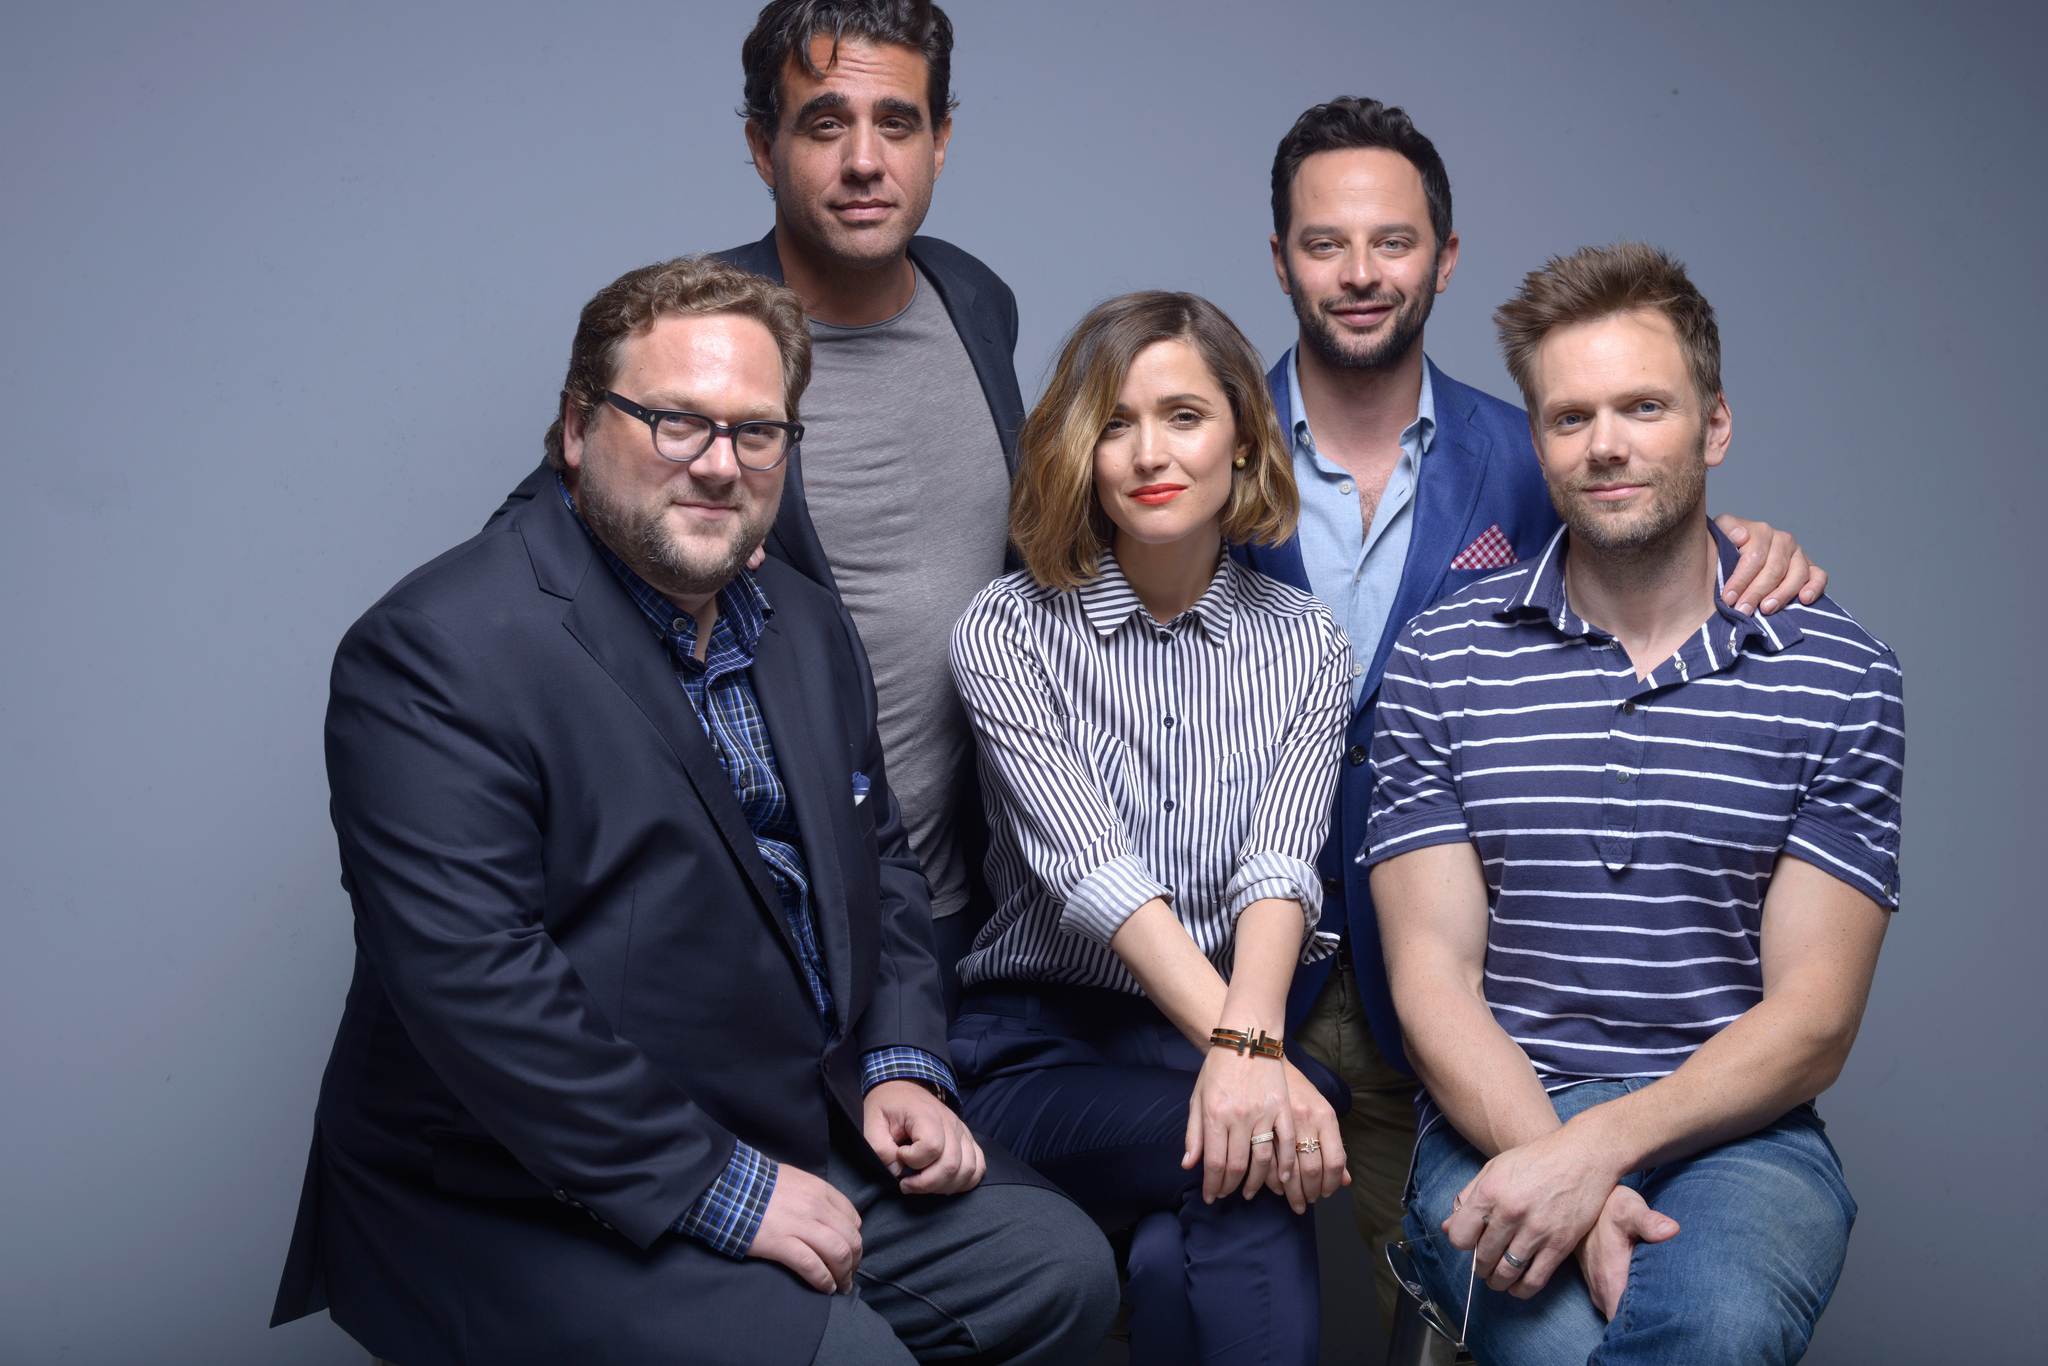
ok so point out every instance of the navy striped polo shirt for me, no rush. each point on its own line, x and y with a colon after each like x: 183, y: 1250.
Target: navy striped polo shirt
x: 1629, y: 828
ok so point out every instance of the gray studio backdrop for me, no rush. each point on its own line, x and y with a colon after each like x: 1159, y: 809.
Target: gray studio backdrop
x: 285, y: 291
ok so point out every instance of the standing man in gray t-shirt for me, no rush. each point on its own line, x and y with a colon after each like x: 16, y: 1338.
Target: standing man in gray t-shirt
x: 911, y: 419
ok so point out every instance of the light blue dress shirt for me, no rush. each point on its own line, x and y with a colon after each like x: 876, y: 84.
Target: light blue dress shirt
x: 1353, y: 568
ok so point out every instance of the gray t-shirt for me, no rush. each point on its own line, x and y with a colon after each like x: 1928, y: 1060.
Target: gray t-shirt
x: 904, y: 475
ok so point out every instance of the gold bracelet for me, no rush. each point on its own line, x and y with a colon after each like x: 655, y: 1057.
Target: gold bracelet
x: 1241, y: 1042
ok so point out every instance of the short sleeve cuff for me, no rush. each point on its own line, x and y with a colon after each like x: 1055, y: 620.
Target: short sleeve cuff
x: 903, y: 1063
x: 1389, y: 838
x: 1870, y: 870
x: 1101, y: 902
x: 726, y: 1216
x: 1282, y: 877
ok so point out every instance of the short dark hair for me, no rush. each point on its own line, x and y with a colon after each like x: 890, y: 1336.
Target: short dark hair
x: 1599, y: 282
x: 1351, y: 121
x: 688, y: 285
x: 786, y: 28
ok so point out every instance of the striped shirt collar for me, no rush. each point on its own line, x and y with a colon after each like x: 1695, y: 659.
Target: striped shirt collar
x: 743, y: 610
x: 1109, y: 601
x: 1545, y: 594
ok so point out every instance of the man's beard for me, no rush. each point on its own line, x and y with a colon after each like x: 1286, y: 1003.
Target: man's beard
x: 1404, y: 330
x: 639, y: 536
x: 1677, y: 498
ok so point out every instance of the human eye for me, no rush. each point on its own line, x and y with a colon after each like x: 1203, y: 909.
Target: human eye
x: 1186, y: 417
x: 1566, y: 422
x: 1115, y: 427
x: 1648, y: 406
x: 759, y: 436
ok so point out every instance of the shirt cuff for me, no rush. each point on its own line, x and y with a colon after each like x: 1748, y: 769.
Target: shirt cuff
x: 728, y: 1215
x: 1101, y: 902
x: 1283, y: 878
x: 903, y: 1063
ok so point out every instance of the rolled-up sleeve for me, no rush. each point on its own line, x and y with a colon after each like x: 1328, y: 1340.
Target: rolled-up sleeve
x: 1848, y: 823
x: 1040, y: 783
x: 1291, y: 818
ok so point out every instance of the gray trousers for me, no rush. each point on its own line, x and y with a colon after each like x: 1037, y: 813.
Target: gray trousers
x: 999, y: 1274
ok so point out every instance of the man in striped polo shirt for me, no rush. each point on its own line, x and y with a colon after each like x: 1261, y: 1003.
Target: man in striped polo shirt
x: 1633, y: 854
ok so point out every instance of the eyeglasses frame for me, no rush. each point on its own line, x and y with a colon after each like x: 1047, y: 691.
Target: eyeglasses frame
x: 653, y: 416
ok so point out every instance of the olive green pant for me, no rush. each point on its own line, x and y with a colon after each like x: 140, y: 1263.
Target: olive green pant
x: 1379, y: 1133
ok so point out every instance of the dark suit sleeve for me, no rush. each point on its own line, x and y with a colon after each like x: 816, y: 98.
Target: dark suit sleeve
x: 439, y: 805
x: 906, y: 1009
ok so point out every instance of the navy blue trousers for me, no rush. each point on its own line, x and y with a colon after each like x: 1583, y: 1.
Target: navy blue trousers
x: 1091, y: 1087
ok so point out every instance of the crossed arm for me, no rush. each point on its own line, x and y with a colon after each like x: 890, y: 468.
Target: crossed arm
x: 1550, y: 1190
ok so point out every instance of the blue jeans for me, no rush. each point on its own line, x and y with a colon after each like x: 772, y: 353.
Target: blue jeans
x: 1091, y: 1087
x: 1764, y: 1225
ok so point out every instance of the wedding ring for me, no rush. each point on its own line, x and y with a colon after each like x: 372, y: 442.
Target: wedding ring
x: 1266, y: 1137
x: 1308, y: 1145
x: 1512, y: 1260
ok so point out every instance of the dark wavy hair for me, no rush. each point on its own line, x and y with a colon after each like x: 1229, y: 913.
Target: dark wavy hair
x: 1351, y: 121
x: 785, y: 28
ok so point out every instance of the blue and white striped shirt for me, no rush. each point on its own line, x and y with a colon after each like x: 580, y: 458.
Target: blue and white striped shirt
x: 1629, y: 828
x: 1123, y: 760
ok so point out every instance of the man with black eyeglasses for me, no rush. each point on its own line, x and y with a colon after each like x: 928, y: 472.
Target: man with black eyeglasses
x: 645, y: 1059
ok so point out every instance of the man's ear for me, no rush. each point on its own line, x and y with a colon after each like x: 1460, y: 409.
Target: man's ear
x: 942, y: 133
x: 1280, y: 264
x: 761, y: 146
x: 1446, y: 262
x: 572, y: 433
x: 1720, y: 429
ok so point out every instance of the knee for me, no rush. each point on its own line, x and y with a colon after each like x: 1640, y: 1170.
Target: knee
x: 1073, y: 1280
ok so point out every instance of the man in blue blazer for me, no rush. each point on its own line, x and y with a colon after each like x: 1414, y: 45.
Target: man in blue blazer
x: 644, y: 1057
x: 914, y: 406
x: 1412, y: 486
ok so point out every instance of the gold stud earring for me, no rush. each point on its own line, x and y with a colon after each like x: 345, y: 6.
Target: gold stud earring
x: 1239, y: 462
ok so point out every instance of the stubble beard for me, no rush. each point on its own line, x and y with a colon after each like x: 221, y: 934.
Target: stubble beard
x: 1410, y: 316
x: 850, y: 248
x: 638, y: 535
x: 1677, y: 502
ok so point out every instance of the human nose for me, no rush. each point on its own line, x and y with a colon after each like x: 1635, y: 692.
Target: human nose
x: 1152, y: 451
x: 1608, y: 443
x: 717, y: 463
x: 863, y: 148
x: 1359, y: 272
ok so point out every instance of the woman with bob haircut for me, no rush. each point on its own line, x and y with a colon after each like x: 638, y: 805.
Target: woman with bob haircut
x: 1159, y: 731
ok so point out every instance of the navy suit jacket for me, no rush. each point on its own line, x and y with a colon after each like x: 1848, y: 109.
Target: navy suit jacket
x: 1481, y: 471
x: 575, y: 986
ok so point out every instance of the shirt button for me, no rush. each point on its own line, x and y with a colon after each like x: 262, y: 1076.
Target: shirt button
x: 1169, y: 803
x: 1621, y: 777
x: 1628, y: 708
x: 678, y: 625
x: 1169, y: 723
x: 1356, y: 754
x: 1357, y: 669
x: 1344, y: 487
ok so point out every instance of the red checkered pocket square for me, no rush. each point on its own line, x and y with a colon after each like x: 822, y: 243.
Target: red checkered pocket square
x: 1490, y: 551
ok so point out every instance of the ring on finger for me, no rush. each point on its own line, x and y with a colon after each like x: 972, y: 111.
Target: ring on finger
x: 1266, y: 1137
x: 1308, y: 1145
x: 1512, y: 1260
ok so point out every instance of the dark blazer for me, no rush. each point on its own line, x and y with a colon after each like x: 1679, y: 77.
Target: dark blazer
x: 1481, y: 471
x: 574, y: 985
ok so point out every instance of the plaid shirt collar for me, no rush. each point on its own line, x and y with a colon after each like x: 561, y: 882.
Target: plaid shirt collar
x: 743, y: 610
x: 1108, y: 601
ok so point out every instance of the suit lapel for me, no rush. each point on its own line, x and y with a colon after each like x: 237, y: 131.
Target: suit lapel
x: 819, y: 795
x: 604, y: 620
x: 1446, y: 492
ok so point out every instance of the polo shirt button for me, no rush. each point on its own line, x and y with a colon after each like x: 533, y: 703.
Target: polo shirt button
x: 1628, y: 708
x: 1621, y: 777
x: 1356, y: 754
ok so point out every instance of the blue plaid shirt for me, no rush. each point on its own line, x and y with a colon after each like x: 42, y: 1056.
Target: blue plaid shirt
x: 728, y: 1214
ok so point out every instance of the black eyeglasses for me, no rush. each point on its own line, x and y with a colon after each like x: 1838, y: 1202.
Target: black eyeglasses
x: 682, y: 437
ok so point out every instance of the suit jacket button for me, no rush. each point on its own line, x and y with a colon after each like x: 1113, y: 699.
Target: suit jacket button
x: 562, y: 1196
x: 1357, y: 755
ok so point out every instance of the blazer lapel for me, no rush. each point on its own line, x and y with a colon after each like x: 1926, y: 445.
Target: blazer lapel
x: 604, y: 620
x: 1446, y: 492
x: 819, y: 794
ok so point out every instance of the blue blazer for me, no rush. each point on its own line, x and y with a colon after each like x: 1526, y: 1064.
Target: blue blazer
x: 575, y: 986
x: 1480, y: 472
